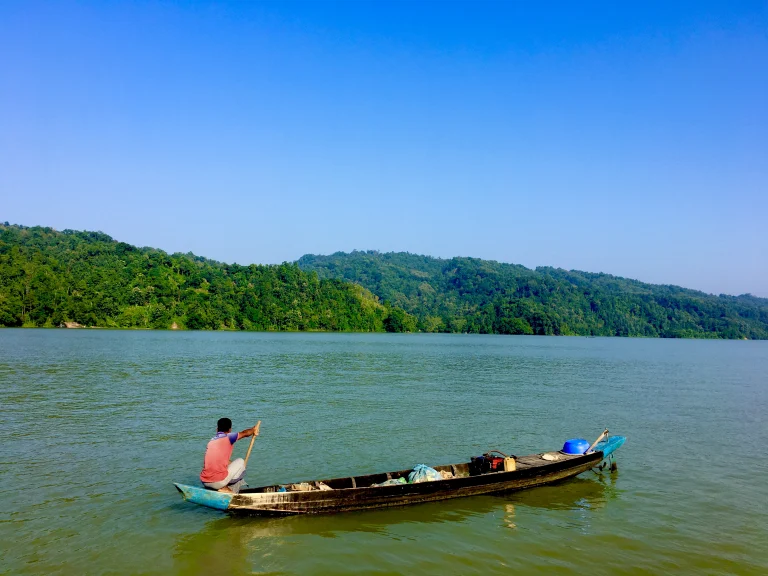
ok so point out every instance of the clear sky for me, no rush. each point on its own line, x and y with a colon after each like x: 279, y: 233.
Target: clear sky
x: 627, y: 138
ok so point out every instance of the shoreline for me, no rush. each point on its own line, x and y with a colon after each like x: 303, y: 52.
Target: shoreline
x: 180, y: 329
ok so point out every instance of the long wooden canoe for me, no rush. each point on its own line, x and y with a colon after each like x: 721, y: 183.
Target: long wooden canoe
x: 360, y: 492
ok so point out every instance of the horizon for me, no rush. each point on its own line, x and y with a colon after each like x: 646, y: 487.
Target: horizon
x: 627, y: 140
x: 693, y: 288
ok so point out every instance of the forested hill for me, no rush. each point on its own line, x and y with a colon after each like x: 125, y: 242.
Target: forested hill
x: 49, y: 278
x: 481, y: 296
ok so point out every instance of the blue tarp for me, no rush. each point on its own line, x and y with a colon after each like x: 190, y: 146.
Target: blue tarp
x: 423, y: 473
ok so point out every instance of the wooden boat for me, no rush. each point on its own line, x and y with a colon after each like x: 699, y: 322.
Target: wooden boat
x: 361, y: 492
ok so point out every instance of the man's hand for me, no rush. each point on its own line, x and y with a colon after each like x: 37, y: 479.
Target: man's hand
x: 248, y: 432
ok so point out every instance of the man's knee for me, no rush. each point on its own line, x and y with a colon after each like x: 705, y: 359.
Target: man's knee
x: 237, y: 468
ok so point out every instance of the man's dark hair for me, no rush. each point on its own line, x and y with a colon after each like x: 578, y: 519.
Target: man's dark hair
x: 224, y: 425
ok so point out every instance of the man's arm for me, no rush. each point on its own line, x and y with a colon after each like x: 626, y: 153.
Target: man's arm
x: 247, y: 432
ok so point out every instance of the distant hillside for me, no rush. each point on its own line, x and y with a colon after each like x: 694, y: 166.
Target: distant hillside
x: 481, y: 296
x: 48, y: 278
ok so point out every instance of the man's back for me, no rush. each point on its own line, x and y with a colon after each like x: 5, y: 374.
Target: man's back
x: 217, y: 456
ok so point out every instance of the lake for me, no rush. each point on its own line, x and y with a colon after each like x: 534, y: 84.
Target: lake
x: 98, y: 424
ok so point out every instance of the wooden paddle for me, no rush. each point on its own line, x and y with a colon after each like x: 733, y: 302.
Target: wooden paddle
x: 253, y: 439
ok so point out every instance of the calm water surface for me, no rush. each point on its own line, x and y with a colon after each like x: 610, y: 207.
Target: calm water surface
x: 96, y: 426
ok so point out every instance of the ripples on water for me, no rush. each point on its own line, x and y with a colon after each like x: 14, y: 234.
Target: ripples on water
x: 97, y: 425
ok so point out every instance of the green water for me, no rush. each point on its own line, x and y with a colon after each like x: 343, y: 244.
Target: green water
x: 96, y: 426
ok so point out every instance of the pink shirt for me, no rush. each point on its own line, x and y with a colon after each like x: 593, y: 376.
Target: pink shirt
x: 217, y: 456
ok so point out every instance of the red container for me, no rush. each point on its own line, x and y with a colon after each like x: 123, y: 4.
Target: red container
x: 497, y: 464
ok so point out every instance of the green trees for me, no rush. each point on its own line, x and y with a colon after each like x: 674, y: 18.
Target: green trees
x: 49, y: 277
x: 480, y: 296
x: 399, y: 321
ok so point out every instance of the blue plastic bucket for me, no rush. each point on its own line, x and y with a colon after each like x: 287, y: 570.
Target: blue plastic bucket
x: 575, y: 446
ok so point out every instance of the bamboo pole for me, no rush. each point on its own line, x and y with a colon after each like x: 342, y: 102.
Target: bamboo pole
x: 253, y: 439
x: 603, y: 435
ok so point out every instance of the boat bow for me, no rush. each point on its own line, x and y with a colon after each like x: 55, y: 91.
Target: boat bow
x: 204, y: 497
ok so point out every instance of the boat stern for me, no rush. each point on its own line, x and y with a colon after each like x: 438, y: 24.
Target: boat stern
x: 610, y: 445
x: 204, y: 497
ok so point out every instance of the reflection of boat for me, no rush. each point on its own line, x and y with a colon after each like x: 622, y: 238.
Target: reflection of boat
x: 590, y: 492
x: 362, y: 492
x: 227, y: 545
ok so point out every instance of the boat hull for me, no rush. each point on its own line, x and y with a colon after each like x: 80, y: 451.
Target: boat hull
x: 346, y: 500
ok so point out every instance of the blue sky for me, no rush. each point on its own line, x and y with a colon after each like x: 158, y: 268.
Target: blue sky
x: 627, y: 138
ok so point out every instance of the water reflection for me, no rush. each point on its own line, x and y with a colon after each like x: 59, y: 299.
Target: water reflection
x: 234, y: 545
x: 216, y: 550
x: 588, y: 491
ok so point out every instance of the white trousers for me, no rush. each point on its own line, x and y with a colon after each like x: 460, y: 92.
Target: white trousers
x: 235, y: 473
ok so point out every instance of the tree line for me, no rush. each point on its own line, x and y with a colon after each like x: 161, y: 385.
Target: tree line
x: 487, y: 297
x: 50, y: 278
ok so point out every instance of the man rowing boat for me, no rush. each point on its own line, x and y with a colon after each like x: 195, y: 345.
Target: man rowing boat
x: 218, y: 472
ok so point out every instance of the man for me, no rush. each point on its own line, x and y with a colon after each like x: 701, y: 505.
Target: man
x: 218, y: 472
